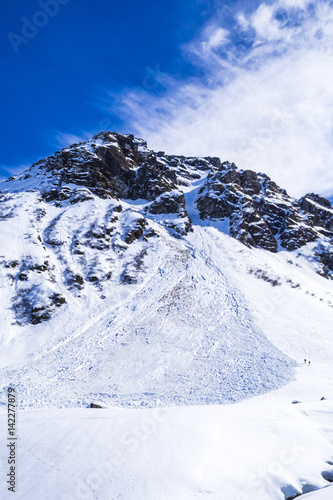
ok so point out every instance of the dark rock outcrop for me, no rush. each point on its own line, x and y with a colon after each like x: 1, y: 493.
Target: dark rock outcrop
x: 172, y: 203
x: 112, y: 165
x: 111, y: 244
x: 321, y: 212
x: 262, y: 214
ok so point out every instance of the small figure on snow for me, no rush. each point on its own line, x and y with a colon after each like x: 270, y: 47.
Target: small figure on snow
x: 305, y: 361
x: 309, y: 363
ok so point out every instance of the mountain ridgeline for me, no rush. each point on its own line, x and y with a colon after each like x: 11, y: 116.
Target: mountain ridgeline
x: 91, y: 212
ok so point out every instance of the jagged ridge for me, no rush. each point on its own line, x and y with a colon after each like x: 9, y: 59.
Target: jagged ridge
x: 94, y: 247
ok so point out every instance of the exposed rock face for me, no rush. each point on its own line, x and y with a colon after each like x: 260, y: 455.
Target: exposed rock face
x: 169, y: 203
x: 173, y: 203
x: 261, y: 213
x: 93, y: 211
x: 110, y: 165
x: 116, y: 166
x: 321, y: 212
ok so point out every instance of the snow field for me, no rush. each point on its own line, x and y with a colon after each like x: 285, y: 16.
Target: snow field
x: 207, y: 322
x: 245, y: 451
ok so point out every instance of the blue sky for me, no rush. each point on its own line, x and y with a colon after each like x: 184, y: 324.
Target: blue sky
x: 249, y: 81
x: 52, y: 83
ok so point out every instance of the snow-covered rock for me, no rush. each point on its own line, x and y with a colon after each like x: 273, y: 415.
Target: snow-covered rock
x: 141, y: 280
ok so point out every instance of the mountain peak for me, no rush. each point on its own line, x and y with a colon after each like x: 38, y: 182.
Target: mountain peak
x: 114, y: 254
x: 112, y: 165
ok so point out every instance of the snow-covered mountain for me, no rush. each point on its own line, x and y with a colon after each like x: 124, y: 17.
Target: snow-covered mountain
x: 144, y: 280
x: 93, y: 212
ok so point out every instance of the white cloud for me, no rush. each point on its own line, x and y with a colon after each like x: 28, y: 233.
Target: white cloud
x: 12, y: 170
x: 217, y: 38
x: 63, y: 139
x: 302, y: 4
x: 269, y: 108
x: 264, y: 23
x: 242, y: 21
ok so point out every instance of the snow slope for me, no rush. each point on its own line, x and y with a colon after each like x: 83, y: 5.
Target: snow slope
x: 203, y: 323
x: 254, y: 449
x: 221, y: 452
x: 162, y: 319
x: 115, y: 301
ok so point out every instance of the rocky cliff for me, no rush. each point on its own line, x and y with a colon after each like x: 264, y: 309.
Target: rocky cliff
x: 90, y: 212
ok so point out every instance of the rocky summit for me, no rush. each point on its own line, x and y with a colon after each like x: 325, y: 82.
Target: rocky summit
x: 111, y: 165
x: 136, y: 278
x: 68, y: 244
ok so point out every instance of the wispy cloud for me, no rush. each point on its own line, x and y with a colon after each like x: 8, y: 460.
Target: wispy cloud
x: 64, y: 139
x: 8, y: 171
x: 265, y: 100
